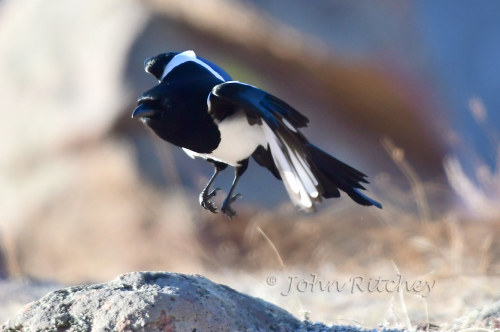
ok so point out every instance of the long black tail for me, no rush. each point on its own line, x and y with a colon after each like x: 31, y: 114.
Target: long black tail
x: 334, y: 175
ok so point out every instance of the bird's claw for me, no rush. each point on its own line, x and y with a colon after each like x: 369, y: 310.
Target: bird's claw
x: 205, y: 200
x: 226, y: 206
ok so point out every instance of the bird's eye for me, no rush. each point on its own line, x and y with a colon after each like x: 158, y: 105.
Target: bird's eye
x: 168, y: 105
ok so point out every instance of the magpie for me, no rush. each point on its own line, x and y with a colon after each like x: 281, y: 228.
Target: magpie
x: 197, y: 106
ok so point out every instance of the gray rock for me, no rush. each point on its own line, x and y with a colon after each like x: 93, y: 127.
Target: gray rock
x: 158, y: 301
x: 151, y: 301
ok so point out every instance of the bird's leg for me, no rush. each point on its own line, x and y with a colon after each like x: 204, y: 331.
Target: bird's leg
x: 226, y: 205
x: 206, y: 194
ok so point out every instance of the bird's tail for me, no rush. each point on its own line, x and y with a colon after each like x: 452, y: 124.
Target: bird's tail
x: 309, y: 173
x: 333, y: 175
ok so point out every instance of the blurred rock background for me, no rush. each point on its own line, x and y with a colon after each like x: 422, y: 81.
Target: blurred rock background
x: 406, y: 91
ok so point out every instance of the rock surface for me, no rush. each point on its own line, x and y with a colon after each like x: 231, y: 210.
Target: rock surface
x: 151, y: 301
x: 157, y: 301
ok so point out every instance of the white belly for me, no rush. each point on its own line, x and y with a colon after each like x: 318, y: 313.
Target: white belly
x: 238, y: 140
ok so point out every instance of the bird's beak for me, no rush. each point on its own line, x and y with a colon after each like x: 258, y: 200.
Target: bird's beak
x: 142, y: 111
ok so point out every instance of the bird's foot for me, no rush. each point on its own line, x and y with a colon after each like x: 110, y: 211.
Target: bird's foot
x: 205, y: 200
x: 226, y: 206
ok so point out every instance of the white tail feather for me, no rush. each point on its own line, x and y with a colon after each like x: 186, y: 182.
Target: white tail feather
x: 295, y: 172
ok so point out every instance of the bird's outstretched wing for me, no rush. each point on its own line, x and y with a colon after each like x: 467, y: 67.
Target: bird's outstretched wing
x: 286, y: 145
x: 307, y: 172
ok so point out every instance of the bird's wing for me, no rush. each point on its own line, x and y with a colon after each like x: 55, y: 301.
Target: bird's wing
x: 280, y: 123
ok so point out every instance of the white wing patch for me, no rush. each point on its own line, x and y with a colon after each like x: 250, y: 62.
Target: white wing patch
x: 186, y: 56
x: 289, y: 125
x: 300, y: 183
x: 193, y: 154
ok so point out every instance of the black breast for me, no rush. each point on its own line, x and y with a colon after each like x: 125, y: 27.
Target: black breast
x: 183, y: 117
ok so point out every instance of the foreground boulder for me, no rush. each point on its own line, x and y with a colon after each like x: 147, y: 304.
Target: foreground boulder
x: 152, y: 301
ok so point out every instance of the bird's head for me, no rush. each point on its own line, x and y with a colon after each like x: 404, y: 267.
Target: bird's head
x: 153, y: 105
x: 177, y: 106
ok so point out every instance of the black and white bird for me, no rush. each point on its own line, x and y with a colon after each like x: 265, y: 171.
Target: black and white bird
x: 198, y: 107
